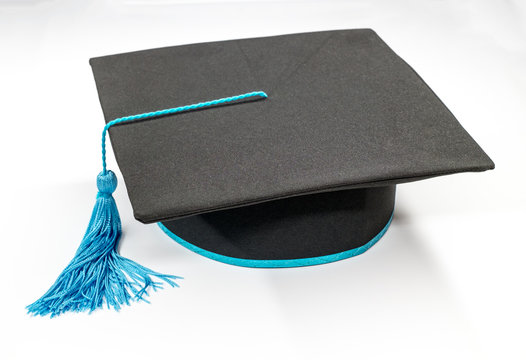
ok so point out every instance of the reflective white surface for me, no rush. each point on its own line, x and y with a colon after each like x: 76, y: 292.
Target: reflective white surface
x: 446, y: 281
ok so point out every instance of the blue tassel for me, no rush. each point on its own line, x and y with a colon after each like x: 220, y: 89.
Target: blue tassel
x: 98, y: 275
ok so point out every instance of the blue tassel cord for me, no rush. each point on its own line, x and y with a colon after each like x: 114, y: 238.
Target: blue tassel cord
x: 98, y: 275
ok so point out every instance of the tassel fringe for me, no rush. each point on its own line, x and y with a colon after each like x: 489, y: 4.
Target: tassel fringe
x: 98, y: 275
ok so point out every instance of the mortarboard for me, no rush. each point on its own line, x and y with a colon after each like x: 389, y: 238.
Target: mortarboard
x: 267, y: 152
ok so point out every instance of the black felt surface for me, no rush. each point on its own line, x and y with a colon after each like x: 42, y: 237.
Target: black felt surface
x: 343, y: 112
x: 293, y: 228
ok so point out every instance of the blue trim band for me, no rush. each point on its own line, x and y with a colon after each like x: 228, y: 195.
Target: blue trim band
x: 278, y: 263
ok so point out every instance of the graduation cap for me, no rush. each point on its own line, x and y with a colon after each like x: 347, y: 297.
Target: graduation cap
x: 268, y: 152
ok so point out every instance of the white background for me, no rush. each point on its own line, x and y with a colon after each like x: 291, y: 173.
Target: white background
x: 446, y: 282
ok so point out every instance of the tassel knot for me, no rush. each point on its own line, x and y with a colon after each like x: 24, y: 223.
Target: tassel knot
x: 106, y: 182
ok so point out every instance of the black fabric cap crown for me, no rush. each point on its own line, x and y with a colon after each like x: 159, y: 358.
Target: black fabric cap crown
x: 344, y: 111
